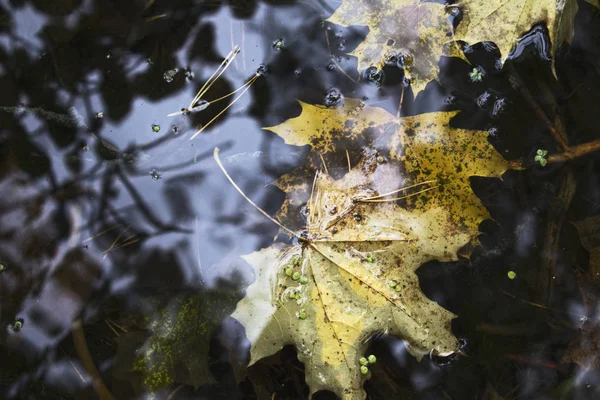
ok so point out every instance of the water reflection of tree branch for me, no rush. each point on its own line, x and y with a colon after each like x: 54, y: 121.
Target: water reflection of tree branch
x: 145, y: 210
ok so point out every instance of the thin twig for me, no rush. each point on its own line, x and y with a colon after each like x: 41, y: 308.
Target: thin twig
x: 396, y: 191
x: 577, y: 151
x: 111, y: 328
x: 88, y: 363
x: 249, y: 84
x: 398, y: 198
x: 324, y: 164
x: 559, y: 137
x: 224, y: 64
x: 218, y: 160
x: 174, y: 392
x: 348, y: 158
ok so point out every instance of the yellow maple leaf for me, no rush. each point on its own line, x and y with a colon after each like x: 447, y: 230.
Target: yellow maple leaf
x: 420, y: 33
x: 352, y: 273
x: 504, y: 22
x: 414, y: 31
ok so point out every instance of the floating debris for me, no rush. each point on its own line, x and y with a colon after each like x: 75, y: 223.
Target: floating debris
x: 484, y: 99
x: 278, y: 44
x: 99, y: 115
x: 155, y: 174
x: 451, y: 99
x: 498, y: 108
x: 512, y: 274
x: 169, y: 75
x: 540, y: 158
x: 156, y: 128
x: 262, y: 70
x: 17, y: 325
x: 476, y: 74
x: 374, y: 75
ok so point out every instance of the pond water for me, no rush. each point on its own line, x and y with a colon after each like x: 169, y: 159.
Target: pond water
x: 112, y: 219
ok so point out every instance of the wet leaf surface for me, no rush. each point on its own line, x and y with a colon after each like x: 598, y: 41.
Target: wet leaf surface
x: 352, y: 275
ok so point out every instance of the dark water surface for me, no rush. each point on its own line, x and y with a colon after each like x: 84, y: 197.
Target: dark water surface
x: 106, y: 219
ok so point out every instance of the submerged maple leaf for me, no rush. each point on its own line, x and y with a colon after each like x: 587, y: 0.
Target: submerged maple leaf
x: 417, y: 34
x: 414, y: 33
x: 352, y: 272
x: 585, y: 350
x: 172, y: 344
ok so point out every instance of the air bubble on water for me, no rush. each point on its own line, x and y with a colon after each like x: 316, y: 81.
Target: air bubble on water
x: 333, y: 97
x: 405, y: 81
x: 342, y: 45
x: 108, y: 55
x: 330, y: 66
x: 297, y: 72
x: 451, y: 99
x: 100, y: 115
x: 453, y: 10
x: 169, y: 75
x: 155, y: 174
x: 189, y: 75
x: 175, y: 130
